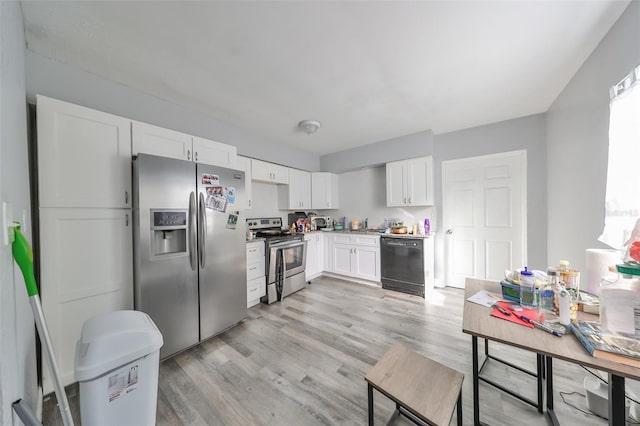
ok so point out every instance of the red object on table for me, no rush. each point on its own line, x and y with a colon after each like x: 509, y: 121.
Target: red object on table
x: 529, y: 313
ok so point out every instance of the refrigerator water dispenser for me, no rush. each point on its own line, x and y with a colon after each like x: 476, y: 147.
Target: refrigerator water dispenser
x: 169, y: 233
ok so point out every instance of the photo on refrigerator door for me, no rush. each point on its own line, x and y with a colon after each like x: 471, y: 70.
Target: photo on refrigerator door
x: 216, y: 199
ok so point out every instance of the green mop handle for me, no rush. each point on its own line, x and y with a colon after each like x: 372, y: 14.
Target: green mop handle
x: 24, y: 258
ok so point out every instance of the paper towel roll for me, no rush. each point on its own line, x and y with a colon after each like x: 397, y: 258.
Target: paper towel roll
x: 597, y: 264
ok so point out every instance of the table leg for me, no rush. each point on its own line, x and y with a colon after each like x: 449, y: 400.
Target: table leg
x: 617, y: 411
x: 370, y: 401
x: 540, y: 362
x: 549, y: 380
x: 476, y: 386
x: 459, y: 408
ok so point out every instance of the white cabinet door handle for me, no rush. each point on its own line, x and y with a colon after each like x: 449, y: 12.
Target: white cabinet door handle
x: 188, y: 154
x: 195, y: 155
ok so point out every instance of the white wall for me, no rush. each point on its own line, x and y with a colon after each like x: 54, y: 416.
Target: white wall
x: 577, y: 139
x: 57, y: 80
x: 17, y: 337
x: 363, y: 195
x: 409, y: 146
x: 527, y: 133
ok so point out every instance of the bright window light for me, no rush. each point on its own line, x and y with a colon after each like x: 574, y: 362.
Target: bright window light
x: 622, y: 202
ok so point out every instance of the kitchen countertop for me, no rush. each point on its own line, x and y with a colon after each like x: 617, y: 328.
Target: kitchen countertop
x: 375, y: 233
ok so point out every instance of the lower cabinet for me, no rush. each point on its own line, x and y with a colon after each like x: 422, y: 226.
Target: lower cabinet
x: 315, y: 255
x: 356, y: 256
x: 86, y: 269
x: 256, y: 287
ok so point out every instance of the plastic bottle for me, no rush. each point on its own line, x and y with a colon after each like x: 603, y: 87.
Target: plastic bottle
x: 427, y: 226
x: 528, y: 297
x: 564, y: 303
x: 549, y: 294
x: 570, y: 279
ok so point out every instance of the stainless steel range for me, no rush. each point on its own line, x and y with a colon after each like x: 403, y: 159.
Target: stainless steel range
x: 285, y: 256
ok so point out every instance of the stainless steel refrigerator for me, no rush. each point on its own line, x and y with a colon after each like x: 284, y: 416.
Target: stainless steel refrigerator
x: 189, y: 248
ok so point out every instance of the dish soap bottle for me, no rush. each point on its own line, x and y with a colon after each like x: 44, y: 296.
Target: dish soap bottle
x: 427, y: 226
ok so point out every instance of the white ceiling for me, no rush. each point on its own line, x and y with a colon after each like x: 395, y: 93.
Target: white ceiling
x: 368, y: 70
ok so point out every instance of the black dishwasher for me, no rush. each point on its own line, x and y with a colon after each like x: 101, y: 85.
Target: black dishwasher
x: 402, y: 264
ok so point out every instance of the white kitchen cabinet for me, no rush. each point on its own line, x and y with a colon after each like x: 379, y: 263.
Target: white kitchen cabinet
x: 297, y: 194
x: 85, y: 239
x: 356, y: 256
x: 315, y: 255
x: 214, y: 153
x: 256, y: 286
x: 324, y: 191
x: 84, y: 156
x: 154, y: 140
x: 85, y: 269
x: 410, y: 182
x: 244, y: 164
x: 268, y: 172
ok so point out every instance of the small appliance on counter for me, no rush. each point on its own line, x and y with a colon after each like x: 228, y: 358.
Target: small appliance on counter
x: 321, y: 222
x: 295, y: 216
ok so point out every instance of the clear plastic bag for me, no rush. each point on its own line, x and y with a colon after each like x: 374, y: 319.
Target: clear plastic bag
x: 632, y: 252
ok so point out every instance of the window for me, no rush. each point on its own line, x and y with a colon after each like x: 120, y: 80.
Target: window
x: 622, y: 202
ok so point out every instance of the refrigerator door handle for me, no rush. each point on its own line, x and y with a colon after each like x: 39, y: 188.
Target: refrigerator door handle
x: 202, y: 231
x: 192, y: 231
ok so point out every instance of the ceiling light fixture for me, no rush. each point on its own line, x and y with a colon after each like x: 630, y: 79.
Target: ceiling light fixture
x: 309, y: 126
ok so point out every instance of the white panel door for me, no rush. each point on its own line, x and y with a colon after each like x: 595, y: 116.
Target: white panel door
x: 154, y: 140
x: 484, y: 216
x: 86, y: 269
x: 84, y: 156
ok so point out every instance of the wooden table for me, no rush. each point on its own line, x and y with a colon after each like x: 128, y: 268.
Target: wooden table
x: 478, y: 322
x: 422, y: 389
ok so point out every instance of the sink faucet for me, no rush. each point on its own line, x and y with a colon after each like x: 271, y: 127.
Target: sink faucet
x: 366, y: 223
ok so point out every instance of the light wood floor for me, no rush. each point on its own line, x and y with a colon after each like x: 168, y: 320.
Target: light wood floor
x: 303, y: 361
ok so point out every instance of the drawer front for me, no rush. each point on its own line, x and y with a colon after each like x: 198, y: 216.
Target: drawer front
x: 342, y: 239
x: 255, y: 288
x: 366, y: 240
x: 255, y: 252
x: 255, y: 269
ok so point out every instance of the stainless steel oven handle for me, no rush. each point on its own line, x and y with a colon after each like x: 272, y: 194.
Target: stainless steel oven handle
x: 202, y: 231
x: 395, y: 244
x: 192, y: 231
x: 284, y: 272
x: 287, y: 244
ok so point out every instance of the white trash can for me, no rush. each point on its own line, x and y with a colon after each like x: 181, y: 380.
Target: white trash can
x: 116, y: 365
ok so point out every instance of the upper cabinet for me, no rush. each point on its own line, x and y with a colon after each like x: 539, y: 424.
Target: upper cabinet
x: 244, y: 163
x: 410, y: 182
x: 297, y: 194
x: 214, y: 153
x: 324, y: 191
x: 269, y: 172
x: 155, y: 140
x: 84, y: 156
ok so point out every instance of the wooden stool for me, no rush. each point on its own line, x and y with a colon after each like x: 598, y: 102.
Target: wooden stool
x: 424, y: 391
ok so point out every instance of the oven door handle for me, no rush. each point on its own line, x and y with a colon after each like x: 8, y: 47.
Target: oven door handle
x: 287, y: 244
x: 284, y: 274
